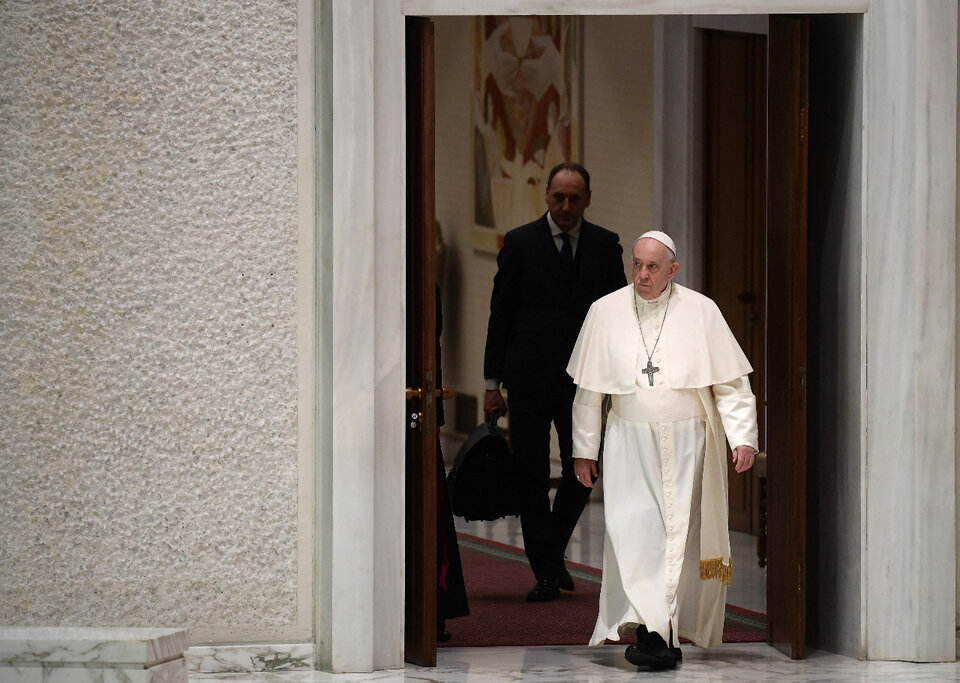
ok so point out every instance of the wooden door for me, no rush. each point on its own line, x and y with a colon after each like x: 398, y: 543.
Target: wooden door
x: 420, y: 640
x: 735, y: 155
x: 788, y: 113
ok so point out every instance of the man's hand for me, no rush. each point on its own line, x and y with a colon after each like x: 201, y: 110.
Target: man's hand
x: 586, y: 471
x: 493, y: 400
x: 743, y: 458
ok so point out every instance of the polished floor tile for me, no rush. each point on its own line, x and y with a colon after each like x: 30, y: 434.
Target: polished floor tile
x: 747, y: 662
x: 576, y: 664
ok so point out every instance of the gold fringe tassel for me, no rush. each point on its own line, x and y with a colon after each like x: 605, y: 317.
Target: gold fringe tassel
x: 714, y: 568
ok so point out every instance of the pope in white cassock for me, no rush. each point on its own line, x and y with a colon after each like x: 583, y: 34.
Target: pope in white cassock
x: 678, y: 385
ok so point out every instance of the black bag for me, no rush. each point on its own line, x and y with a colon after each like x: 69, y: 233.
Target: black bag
x: 484, y: 480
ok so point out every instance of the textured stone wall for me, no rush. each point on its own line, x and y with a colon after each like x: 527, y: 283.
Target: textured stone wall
x: 148, y: 470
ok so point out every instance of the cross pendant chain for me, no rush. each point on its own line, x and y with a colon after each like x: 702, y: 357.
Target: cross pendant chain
x: 650, y: 370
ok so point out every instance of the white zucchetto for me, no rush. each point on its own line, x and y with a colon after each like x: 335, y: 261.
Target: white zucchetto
x: 662, y: 238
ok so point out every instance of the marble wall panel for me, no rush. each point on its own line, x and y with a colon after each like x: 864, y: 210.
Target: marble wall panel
x: 360, y: 622
x: 910, y: 325
x: 835, y: 350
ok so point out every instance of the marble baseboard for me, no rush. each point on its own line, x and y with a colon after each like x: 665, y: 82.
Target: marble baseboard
x: 251, y: 658
x: 174, y: 671
x: 144, y: 647
x: 54, y: 654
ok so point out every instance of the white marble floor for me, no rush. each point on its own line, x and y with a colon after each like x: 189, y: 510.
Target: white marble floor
x: 748, y: 662
x: 553, y: 664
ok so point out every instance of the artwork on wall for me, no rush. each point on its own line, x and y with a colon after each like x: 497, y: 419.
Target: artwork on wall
x: 526, y: 117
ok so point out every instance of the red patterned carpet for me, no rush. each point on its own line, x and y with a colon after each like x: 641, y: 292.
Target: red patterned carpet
x: 497, y: 578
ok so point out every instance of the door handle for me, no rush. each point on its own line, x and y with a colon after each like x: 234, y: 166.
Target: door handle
x: 442, y: 392
x: 412, y: 394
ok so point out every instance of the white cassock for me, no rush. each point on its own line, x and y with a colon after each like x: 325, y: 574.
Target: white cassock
x: 666, y: 555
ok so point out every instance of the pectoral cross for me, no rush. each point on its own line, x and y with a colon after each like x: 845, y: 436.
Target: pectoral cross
x: 649, y: 370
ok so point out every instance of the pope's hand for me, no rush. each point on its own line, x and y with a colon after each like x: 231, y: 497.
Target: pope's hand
x: 743, y: 458
x: 586, y: 471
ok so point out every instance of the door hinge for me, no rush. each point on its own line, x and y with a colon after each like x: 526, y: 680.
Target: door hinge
x: 803, y: 125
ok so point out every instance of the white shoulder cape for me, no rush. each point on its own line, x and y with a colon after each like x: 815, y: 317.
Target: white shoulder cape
x: 697, y: 344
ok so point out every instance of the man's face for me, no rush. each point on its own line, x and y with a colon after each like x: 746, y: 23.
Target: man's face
x: 652, y: 268
x: 566, y: 199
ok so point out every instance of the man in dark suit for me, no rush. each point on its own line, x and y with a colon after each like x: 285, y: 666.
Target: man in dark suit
x: 549, y: 272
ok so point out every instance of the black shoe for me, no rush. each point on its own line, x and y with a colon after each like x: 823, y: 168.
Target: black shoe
x: 564, y: 580
x: 443, y: 635
x: 650, y: 661
x: 675, y: 650
x: 651, y: 652
x: 545, y: 591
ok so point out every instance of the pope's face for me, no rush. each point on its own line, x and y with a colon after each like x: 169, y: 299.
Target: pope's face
x: 652, y: 268
x: 567, y: 198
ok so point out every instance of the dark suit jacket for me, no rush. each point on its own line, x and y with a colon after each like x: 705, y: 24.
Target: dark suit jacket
x: 536, y: 313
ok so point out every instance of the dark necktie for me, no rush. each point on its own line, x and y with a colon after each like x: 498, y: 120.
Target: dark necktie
x: 566, y: 251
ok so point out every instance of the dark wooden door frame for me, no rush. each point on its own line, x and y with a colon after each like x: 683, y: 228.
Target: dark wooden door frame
x: 785, y: 306
x: 420, y: 631
x: 787, y: 332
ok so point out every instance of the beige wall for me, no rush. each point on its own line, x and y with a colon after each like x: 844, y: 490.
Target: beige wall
x: 617, y: 150
x: 148, y: 365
